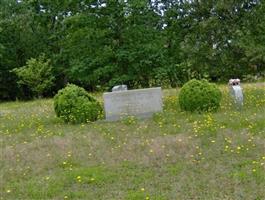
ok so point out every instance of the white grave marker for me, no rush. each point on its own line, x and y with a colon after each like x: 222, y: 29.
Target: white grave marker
x: 236, y: 92
x: 119, y: 88
x: 139, y: 103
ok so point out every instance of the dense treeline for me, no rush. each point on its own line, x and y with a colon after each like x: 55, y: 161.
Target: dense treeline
x: 100, y: 43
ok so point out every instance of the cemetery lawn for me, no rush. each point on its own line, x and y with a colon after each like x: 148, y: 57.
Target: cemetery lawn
x: 174, y: 155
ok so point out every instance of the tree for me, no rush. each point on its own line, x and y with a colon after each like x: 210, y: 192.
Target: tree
x: 100, y: 43
x: 208, y: 37
x: 113, y: 42
x: 36, y: 75
x: 251, y: 40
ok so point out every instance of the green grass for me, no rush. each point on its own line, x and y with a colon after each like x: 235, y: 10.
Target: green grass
x: 174, y: 155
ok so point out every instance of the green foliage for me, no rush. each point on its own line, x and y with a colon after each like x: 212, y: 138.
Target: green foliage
x: 119, y: 47
x: 98, y: 44
x: 36, y: 74
x: 199, y: 96
x: 73, y: 104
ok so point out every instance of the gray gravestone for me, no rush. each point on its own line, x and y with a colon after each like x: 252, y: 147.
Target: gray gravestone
x: 139, y: 103
x: 236, y: 92
x: 119, y: 88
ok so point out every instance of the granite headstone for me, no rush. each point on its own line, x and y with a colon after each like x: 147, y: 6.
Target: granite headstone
x: 139, y: 103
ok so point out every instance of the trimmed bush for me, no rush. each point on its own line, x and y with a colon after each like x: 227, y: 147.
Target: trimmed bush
x: 73, y: 104
x: 199, y: 96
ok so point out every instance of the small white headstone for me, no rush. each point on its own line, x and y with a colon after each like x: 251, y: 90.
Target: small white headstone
x: 139, y: 103
x: 119, y: 88
x: 236, y: 92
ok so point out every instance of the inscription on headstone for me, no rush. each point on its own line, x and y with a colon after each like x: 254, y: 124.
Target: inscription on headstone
x: 139, y: 103
x: 236, y: 92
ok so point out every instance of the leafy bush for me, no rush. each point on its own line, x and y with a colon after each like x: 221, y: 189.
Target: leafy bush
x: 253, y: 78
x: 199, y: 96
x: 73, y: 104
x: 36, y: 74
x: 161, y: 77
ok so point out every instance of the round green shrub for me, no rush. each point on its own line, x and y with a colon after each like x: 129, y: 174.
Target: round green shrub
x: 199, y: 96
x: 73, y: 104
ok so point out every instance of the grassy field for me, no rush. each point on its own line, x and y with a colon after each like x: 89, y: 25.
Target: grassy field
x: 174, y: 155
